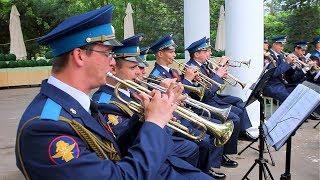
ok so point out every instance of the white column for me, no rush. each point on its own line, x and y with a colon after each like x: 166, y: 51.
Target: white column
x: 244, y: 41
x: 196, y: 21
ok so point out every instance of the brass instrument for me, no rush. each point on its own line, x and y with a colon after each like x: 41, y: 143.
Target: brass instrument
x: 199, y: 91
x: 206, y: 81
x: 221, y: 113
x: 232, y: 63
x: 297, y: 62
x: 233, y: 81
x: 270, y: 58
x: 222, y: 132
x: 163, y: 89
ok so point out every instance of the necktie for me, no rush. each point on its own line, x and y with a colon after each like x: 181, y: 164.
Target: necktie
x: 175, y: 74
x: 206, y: 70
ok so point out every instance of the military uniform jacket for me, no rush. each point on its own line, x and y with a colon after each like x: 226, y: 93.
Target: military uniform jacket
x: 160, y: 71
x: 281, y: 69
x: 211, y: 94
x: 48, y: 148
x: 128, y: 124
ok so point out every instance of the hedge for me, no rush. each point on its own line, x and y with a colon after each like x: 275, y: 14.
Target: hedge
x: 25, y: 63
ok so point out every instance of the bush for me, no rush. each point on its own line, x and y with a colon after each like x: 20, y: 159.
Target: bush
x: 151, y: 57
x: 216, y: 53
x: 180, y: 56
x: 49, y: 63
x: 48, y: 55
x: 3, y: 64
x: 42, y: 62
x: 13, y: 64
x: 2, y: 57
x: 10, y: 57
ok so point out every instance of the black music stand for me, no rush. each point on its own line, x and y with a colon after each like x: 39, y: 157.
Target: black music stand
x: 287, y: 175
x: 256, y: 94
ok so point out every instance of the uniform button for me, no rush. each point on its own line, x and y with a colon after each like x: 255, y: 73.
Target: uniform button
x: 73, y: 111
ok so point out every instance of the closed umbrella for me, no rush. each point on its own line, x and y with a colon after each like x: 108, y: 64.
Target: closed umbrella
x: 17, y: 46
x: 220, y: 44
x: 128, y: 23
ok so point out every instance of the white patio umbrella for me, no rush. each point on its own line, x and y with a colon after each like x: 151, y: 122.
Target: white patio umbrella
x: 128, y: 23
x: 17, y: 46
x: 220, y: 38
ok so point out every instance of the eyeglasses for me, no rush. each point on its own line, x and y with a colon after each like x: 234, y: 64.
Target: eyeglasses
x: 108, y: 54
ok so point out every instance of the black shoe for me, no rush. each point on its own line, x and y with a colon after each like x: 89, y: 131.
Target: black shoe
x: 226, y: 162
x: 216, y: 175
x: 244, y: 136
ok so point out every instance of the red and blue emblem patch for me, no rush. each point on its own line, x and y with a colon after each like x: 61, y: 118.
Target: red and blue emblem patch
x: 63, y: 149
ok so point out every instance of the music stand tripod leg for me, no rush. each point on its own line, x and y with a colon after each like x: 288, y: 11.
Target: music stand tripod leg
x: 316, y: 125
x: 248, y: 146
x: 263, y: 166
x: 270, y: 155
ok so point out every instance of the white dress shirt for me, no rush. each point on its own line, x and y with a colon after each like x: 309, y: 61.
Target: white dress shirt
x: 79, y: 96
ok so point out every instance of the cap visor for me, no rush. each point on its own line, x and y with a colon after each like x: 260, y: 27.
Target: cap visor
x: 112, y: 42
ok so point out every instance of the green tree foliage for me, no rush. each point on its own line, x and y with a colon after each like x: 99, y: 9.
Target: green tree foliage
x: 299, y: 20
x: 154, y: 18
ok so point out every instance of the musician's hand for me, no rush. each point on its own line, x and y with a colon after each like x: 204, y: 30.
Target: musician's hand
x: 290, y: 58
x: 222, y: 72
x: 223, y: 61
x: 197, y: 78
x: 159, y: 108
x: 190, y: 73
x: 167, y: 82
x: 177, y: 90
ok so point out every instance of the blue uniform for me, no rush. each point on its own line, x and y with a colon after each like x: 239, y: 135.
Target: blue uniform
x: 315, y: 53
x: 210, y: 155
x: 276, y: 87
x: 48, y: 148
x: 213, y: 99
x: 162, y: 72
x: 183, y: 148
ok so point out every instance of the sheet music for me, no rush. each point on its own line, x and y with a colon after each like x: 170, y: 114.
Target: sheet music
x: 298, y: 105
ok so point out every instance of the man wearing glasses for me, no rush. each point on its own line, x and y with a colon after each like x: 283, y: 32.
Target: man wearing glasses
x: 62, y: 135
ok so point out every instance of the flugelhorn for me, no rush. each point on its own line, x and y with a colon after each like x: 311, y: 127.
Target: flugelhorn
x: 233, y: 81
x: 222, y: 132
x: 204, y: 79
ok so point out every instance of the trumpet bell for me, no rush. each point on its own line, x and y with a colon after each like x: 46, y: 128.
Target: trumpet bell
x: 222, y: 133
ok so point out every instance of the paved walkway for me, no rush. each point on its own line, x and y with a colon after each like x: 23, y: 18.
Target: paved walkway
x: 305, y: 148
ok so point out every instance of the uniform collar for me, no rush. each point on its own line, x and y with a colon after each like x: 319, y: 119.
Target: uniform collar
x: 200, y: 64
x: 79, y: 96
x: 274, y: 52
x: 166, y: 68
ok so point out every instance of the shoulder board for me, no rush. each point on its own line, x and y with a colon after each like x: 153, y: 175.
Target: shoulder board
x: 104, y: 98
x: 51, y: 110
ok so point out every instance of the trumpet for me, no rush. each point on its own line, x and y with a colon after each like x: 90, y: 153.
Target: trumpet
x: 232, y: 63
x: 233, y: 81
x: 199, y: 91
x: 205, y: 80
x: 296, y: 61
x: 221, y: 113
x: 222, y: 132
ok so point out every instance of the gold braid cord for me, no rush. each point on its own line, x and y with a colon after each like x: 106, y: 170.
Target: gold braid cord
x: 103, y: 149
x: 123, y: 107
